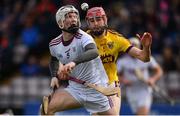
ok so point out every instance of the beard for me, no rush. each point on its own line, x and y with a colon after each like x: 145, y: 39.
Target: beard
x: 98, y: 31
x: 73, y: 29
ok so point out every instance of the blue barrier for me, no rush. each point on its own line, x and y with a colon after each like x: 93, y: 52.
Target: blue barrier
x: 32, y: 108
x: 156, y: 109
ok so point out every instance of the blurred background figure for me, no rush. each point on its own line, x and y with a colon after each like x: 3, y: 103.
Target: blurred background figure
x: 31, y: 67
x: 138, y: 92
x: 18, y: 17
x: 8, y: 112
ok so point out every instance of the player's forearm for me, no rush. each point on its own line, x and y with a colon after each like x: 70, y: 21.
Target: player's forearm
x: 143, y: 55
x: 53, y: 66
x: 86, y: 56
x: 158, y: 73
x: 90, y: 53
x: 146, y: 53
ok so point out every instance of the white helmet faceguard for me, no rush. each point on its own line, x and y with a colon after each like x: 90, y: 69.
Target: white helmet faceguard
x: 60, y: 14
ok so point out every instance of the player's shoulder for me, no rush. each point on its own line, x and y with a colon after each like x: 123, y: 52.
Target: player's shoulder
x: 117, y: 37
x: 152, y: 59
x: 79, y: 34
x: 88, y: 32
x: 82, y: 34
x: 55, y: 41
x: 113, y: 32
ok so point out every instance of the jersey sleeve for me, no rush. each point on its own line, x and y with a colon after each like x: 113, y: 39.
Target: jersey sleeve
x: 51, y: 49
x: 87, y: 39
x: 153, y: 62
x: 124, y: 44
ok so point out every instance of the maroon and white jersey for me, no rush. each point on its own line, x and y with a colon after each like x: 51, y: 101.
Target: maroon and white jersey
x: 66, y: 51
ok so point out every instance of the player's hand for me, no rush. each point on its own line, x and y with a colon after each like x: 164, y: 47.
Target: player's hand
x: 60, y: 74
x: 63, y: 76
x: 151, y: 81
x: 64, y: 70
x: 68, y: 67
x: 146, y: 39
x: 54, y: 82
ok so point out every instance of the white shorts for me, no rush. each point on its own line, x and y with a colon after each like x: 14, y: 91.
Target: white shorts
x: 92, y: 100
x: 138, y: 98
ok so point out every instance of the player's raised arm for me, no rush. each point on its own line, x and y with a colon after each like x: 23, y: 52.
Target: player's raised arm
x: 145, y: 53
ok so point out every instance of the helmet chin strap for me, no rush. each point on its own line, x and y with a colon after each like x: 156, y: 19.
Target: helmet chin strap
x: 73, y: 29
x: 98, y: 33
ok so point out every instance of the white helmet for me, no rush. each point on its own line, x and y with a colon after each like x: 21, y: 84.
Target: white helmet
x: 60, y: 14
x: 135, y: 41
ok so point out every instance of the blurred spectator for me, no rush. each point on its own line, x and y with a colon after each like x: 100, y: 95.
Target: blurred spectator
x: 30, y: 33
x: 6, y: 55
x: 46, y: 6
x: 119, y: 18
x: 4, y: 41
x: 164, y: 14
x: 44, y: 63
x: 19, y: 52
x: 46, y: 10
x: 169, y: 62
x: 75, y: 3
x: 31, y: 67
x: 0, y: 62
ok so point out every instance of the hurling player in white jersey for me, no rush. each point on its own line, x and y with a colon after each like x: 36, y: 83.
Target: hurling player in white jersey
x: 74, y: 54
x: 138, y: 93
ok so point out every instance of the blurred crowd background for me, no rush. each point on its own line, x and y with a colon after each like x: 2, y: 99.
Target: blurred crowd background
x: 27, y: 26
